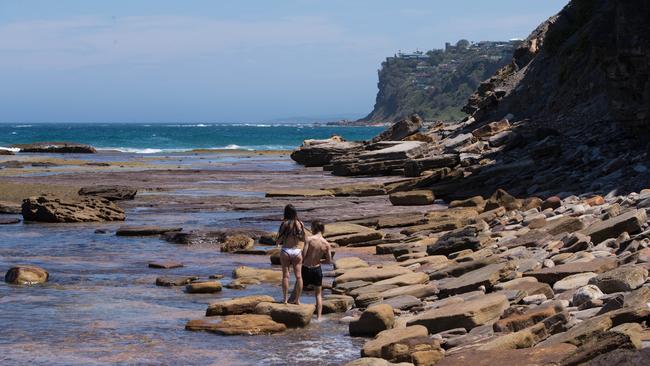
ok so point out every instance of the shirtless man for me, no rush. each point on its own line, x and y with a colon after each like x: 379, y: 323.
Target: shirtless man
x: 315, y: 247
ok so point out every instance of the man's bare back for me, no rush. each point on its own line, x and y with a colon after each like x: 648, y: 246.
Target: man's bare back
x: 315, y: 248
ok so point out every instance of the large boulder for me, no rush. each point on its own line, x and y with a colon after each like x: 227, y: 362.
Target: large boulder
x: 56, y: 147
x: 373, y: 347
x: 26, y: 275
x: 249, y: 324
x: 242, y: 305
x: 621, y: 279
x: 468, y: 314
x: 53, y: 209
x: 400, y: 130
x: 288, y: 314
x: 111, y: 193
x: 375, y: 319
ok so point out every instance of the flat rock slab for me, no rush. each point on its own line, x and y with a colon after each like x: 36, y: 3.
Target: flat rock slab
x: 349, y: 263
x: 288, y: 314
x: 165, y: 265
x: 203, y: 287
x: 412, y: 198
x: 402, y: 302
x: 372, y: 274
x: 145, y: 230
x: 249, y: 324
x: 373, y: 347
x: 9, y: 220
x: 175, y: 281
x: 420, y: 291
x: 343, y: 228
x: 555, y: 274
x: 293, y: 192
x: 59, y: 210
x: 630, y: 222
x: 368, y: 235
x: 486, y: 276
x: 262, y: 275
x: 552, y: 355
x: 111, y: 193
x: 10, y: 208
x: 468, y: 314
x: 238, y: 306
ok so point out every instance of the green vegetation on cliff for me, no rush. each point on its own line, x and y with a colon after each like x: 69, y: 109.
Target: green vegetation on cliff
x: 436, y: 84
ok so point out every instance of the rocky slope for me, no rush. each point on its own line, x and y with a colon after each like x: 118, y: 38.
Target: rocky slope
x: 436, y: 84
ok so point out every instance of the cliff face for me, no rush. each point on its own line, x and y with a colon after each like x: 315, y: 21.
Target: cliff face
x: 435, y: 85
x: 589, y: 63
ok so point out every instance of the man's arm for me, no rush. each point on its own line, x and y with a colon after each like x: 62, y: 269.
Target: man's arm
x: 328, y: 257
x: 304, y: 248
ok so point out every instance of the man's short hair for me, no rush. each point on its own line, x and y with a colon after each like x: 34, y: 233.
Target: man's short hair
x: 317, y: 227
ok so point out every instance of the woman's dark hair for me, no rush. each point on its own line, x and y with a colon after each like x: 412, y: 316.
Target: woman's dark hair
x: 290, y: 212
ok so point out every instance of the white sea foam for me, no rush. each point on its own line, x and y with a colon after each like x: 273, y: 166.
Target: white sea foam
x: 137, y: 151
x: 14, y: 149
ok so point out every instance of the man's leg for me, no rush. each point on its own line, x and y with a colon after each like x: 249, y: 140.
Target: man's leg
x: 297, y: 270
x: 319, y: 301
x: 284, y: 260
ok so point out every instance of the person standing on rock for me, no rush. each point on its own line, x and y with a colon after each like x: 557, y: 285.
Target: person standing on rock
x: 291, y: 236
x: 315, y: 248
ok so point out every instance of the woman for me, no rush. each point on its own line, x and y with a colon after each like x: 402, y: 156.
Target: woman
x: 291, y: 236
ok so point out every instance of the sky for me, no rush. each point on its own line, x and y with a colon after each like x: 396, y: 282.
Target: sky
x: 221, y: 60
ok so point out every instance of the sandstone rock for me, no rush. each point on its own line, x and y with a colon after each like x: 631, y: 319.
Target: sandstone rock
x: 357, y: 238
x: 359, y: 190
x: 111, y: 193
x: 637, y: 298
x: 468, y: 314
x: 486, y: 276
x: 573, y: 282
x: 26, y: 275
x: 585, y: 294
x: 373, y: 347
x: 476, y: 202
x: 516, y: 322
x: 621, y: 279
x: 491, y: 128
x: 551, y: 355
x: 249, y: 324
x: 552, y: 275
x: 501, y: 198
x: 602, y: 344
x: 374, y: 361
x: 412, y: 198
x: 262, y: 275
x: 623, y: 357
x: 552, y: 203
x: 375, y: 319
x: 237, y: 306
x: 299, y: 192
x: 203, y: 287
x: 145, y: 230
x: 406, y: 279
x: 52, y: 209
x: 400, y: 130
x: 457, y: 240
x: 630, y: 222
x: 402, y: 302
x: 9, y: 208
x: 524, y: 338
x: 350, y: 263
x: 288, y: 314
x: 56, y: 147
x: 337, y: 304
x: 418, y: 350
x: 371, y: 274
x: 321, y: 152
x: 420, y: 291
x: 563, y: 225
x: 237, y: 242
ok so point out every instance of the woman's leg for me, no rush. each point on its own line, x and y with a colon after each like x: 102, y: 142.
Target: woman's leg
x: 286, y: 262
x: 297, y: 270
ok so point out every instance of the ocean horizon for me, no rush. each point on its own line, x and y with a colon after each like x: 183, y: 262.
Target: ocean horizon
x: 151, y: 138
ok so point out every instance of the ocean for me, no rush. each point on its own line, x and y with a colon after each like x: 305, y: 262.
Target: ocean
x: 157, y: 138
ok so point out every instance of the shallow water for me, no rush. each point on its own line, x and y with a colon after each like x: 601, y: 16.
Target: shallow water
x: 101, y: 305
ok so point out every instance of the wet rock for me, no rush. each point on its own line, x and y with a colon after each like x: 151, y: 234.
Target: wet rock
x: 630, y: 222
x: 175, y: 281
x: 165, y: 265
x: 6, y: 152
x: 412, y: 198
x: 26, y: 275
x: 203, y: 287
x: 373, y: 347
x: 237, y: 242
x: 145, y: 230
x: 262, y: 275
x: 10, y: 208
x: 375, y: 319
x: 621, y: 279
x: 418, y: 350
x: 468, y: 314
x: 585, y: 294
x: 9, y: 221
x: 299, y: 192
x: 111, y: 193
x: 53, y: 209
x: 337, y: 303
x: 371, y: 274
x: 249, y: 324
x: 56, y: 147
x: 288, y: 314
x: 242, y: 283
x: 237, y: 306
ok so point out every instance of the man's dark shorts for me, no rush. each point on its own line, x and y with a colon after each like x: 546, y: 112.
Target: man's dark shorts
x: 312, y: 276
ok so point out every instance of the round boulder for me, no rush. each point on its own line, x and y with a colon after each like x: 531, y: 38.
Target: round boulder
x: 26, y: 275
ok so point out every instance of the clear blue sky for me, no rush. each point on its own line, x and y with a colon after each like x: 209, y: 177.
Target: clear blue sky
x: 224, y: 61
